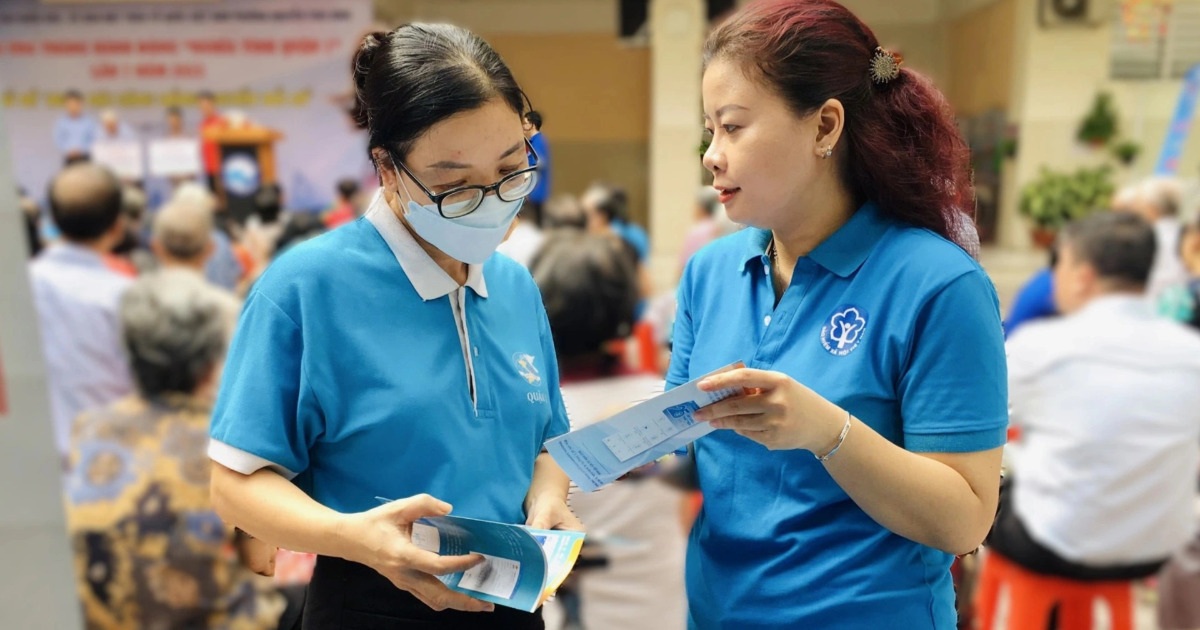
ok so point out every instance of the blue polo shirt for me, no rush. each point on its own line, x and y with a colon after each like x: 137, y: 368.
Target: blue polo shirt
x: 893, y: 323
x: 352, y: 375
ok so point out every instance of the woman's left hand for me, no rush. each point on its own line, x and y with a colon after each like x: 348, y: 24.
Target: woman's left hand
x: 775, y: 410
x: 551, y: 512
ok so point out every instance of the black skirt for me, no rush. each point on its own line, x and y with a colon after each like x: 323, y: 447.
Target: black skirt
x: 345, y: 595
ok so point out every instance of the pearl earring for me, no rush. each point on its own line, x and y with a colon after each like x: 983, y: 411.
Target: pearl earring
x: 828, y: 153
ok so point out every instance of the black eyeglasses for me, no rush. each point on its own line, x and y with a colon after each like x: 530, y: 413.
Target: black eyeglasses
x: 464, y: 200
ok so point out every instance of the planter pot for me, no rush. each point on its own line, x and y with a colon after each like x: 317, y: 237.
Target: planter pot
x: 1043, y: 237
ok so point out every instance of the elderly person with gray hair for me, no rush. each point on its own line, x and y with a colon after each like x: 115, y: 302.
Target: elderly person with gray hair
x: 182, y: 240
x: 149, y: 549
x: 222, y: 268
x: 1157, y: 200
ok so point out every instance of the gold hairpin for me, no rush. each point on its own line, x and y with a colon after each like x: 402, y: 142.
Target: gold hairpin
x: 885, y: 66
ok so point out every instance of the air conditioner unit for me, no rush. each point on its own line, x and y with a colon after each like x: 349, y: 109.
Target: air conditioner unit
x: 1054, y: 13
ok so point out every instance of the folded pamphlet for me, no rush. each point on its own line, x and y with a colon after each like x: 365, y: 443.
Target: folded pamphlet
x: 522, y: 566
x: 600, y: 453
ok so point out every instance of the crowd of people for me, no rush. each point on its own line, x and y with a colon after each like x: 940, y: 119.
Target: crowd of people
x: 231, y: 395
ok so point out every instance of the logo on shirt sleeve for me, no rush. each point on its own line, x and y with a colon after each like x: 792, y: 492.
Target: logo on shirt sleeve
x: 841, y: 334
x: 526, y: 368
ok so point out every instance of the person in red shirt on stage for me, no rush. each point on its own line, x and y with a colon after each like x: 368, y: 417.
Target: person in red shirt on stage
x: 210, y: 118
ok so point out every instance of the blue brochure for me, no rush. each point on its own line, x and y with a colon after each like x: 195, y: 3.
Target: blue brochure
x: 522, y: 566
x: 600, y: 453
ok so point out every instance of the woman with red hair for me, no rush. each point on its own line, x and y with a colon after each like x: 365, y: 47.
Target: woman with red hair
x: 875, y: 361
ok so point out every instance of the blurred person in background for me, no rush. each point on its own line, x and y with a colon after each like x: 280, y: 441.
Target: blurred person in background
x: 75, y: 130
x: 704, y: 226
x: 299, y: 228
x: 1034, y: 300
x: 31, y: 214
x: 150, y: 552
x: 1182, y: 301
x: 182, y: 240
x: 590, y: 289
x: 563, y: 213
x: 160, y: 188
x: 268, y: 220
x: 112, y: 128
x: 607, y: 209
x: 223, y: 267
x: 463, y: 383
x: 532, y: 208
x: 131, y: 256
x: 864, y: 451
x: 525, y: 239
x: 210, y: 119
x: 1157, y: 200
x: 1105, y: 397
x: 1179, y: 581
x: 345, y: 205
x: 175, y: 125
x: 76, y: 294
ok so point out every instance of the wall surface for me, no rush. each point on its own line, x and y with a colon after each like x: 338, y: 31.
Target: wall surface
x: 37, y: 585
x: 592, y: 88
x: 1057, y: 74
x: 595, y: 95
x: 979, y: 57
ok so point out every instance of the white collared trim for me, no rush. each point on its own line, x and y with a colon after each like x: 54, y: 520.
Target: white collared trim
x: 241, y: 461
x: 458, y: 303
x: 430, y: 280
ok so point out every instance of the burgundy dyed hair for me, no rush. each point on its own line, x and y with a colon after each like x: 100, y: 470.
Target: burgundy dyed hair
x: 901, y: 148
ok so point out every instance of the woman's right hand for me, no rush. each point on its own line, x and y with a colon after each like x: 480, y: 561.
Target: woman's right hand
x: 382, y: 539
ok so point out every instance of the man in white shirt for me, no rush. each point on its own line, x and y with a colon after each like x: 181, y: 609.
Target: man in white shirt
x: 76, y: 296
x: 1107, y: 402
x: 524, y: 240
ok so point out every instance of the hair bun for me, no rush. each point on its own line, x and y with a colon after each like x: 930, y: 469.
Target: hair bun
x: 364, y: 58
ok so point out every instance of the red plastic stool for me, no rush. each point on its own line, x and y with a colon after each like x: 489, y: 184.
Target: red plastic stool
x: 1032, y: 596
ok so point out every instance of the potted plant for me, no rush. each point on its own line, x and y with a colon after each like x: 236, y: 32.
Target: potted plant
x: 1054, y: 199
x: 1100, y: 124
x: 1126, y: 151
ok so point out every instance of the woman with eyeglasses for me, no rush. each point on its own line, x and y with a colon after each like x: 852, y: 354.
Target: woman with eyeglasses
x: 397, y: 357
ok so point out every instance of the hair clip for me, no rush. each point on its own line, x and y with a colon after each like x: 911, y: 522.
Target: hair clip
x: 885, y: 66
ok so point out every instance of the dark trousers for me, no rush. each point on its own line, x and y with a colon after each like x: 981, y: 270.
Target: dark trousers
x: 346, y: 595
x: 1011, y: 539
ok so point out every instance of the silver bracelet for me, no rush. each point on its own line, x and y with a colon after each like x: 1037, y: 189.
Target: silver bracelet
x: 841, y: 438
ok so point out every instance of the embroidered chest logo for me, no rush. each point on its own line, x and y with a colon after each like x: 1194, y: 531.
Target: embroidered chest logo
x: 526, y: 368
x: 841, y: 334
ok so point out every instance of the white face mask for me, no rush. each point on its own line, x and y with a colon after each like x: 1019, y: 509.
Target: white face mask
x: 471, y: 239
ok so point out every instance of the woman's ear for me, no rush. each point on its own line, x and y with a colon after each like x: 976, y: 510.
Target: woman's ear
x: 383, y: 165
x: 831, y: 120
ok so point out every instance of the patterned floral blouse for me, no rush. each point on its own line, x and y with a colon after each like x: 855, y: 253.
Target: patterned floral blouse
x: 150, y: 552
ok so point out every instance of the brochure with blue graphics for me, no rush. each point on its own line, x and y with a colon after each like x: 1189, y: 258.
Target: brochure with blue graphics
x: 522, y: 566
x: 600, y: 453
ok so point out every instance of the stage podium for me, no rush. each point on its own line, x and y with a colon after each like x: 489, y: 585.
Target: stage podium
x: 247, y: 162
